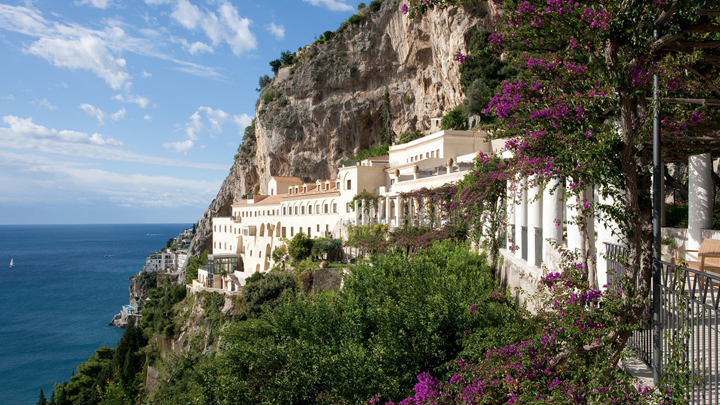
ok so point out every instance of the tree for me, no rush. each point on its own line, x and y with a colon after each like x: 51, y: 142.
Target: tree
x: 275, y: 65
x: 326, y: 246
x: 387, y: 135
x: 361, y: 6
x: 579, y: 109
x: 300, y: 247
x: 409, y: 136
x: 454, y: 119
x: 287, y: 58
x: 41, y: 399
x: 263, y: 82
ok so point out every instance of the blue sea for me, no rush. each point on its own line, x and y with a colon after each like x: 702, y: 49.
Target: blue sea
x: 56, y: 302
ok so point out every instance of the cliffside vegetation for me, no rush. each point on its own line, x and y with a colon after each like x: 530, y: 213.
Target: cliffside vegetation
x: 393, y: 319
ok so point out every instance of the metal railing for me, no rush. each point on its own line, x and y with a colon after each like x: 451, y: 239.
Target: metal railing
x: 524, y: 241
x: 538, y: 246
x: 689, y: 316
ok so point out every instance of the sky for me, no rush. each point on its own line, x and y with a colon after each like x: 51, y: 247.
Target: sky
x: 131, y: 111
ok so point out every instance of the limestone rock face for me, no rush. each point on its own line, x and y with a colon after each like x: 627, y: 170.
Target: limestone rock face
x: 329, y: 105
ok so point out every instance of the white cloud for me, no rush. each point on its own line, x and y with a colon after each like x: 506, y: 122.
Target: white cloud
x: 180, y: 146
x: 225, y: 25
x: 195, y: 125
x: 147, y: 118
x: 100, y: 115
x: 73, y: 46
x: 333, y: 5
x: 41, y: 179
x: 242, y: 121
x: 95, y: 3
x: 146, y: 74
x: 197, y: 47
x: 120, y: 114
x: 25, y: 128
x: 26, y: 135
x: 187, y: 14
x: 9, y: 97
x: 44, y: 103
x: 88, y: 52
x: 141, y: 101
x: 278, y: 31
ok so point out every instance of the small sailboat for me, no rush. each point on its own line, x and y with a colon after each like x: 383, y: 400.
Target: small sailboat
x: 11, y: 262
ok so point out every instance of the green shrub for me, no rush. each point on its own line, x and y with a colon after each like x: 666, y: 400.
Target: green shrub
x: 361, y: 6
x: 268, y: 97
x: 372, y: 151
x: 375, y: 5
x: 263, y: 293
x: 356, y: 19
x: 409, y: 136
x: 326, y: 246
x: 391, y: 321
x: 407, y: 99
x: 300, y: 247
x: 454, y: 119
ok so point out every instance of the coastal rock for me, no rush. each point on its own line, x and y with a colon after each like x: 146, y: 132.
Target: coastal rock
x: 330, y: 105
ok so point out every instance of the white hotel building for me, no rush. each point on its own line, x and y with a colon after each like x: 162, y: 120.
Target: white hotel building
x: 245, y: 240
x: 243, y: 243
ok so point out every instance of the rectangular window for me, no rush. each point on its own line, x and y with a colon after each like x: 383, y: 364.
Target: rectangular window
x: 302, y: 210
x: 318, y: 227
x: 438, y: 153
x: 310, y: 209
x: 349, y: 184
x: 292, y: 231
x: 327, y: 228
x: 326, y: 208
x: 327, y: 186
x: 432, y: 154
x: 296, y: 210
x: 272, y: 191
x: 309, y: 231
x: 283, y: 231
x: 284, y: 210
x: 335, y: 208
x: 347, y: 207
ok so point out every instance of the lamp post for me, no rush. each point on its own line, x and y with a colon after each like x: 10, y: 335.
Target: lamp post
x: 656, y: 265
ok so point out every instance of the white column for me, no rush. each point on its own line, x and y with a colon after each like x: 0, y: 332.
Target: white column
x: 357, y: 212
x: 364, y: 215
x: 520, y: 215
x: 552, y: 211
x: 700, y: 200
x: 574, y: 241
x: 534, y: 220
x: 398, y: 211
x: 510, y: 208
x: 411, y: 210
x: 387, y: 210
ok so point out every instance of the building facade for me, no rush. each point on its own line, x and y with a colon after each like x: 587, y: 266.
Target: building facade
x: 323, y: 208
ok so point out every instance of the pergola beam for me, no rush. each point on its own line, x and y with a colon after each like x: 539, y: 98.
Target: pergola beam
x: 698, y: 101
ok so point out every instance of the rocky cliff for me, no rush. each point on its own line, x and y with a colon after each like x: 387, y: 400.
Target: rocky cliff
x: 328, y: 105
